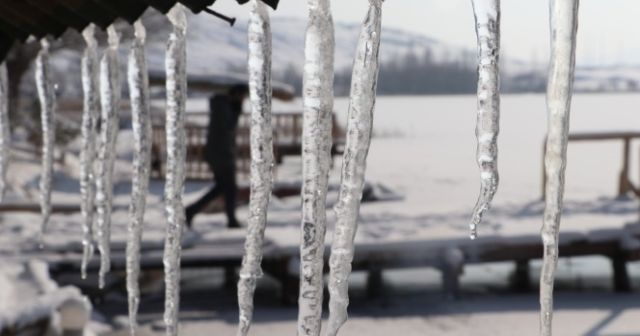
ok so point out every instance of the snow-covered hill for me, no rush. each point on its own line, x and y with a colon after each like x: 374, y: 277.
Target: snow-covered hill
x: 215, y: 47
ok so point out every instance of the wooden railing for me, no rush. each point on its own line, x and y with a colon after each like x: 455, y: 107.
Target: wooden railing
x: 287, y: 139
x: 624, y: 182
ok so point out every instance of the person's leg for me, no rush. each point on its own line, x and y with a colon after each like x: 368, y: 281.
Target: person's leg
x: 193, y: 209
x: 230, y: 190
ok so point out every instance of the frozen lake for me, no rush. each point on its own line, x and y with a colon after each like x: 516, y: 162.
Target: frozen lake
x: 425, y: 147
x: 431, y: 141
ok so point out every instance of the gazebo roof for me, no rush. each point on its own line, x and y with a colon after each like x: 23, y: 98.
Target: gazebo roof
x: 20, y: 19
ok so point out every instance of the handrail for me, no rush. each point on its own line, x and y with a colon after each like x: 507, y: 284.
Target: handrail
x: 624, y: 182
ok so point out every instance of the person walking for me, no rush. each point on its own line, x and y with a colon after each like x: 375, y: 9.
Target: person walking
x: 220, y: 153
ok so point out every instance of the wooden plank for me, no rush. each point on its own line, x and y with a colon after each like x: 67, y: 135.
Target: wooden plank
x: 588, y: 136
x: 35, y: 207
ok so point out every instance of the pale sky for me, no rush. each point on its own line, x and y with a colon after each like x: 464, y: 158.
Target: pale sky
x: 608, y: 30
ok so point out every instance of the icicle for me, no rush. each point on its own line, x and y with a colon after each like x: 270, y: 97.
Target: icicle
x: 487, y: 18
x: 359, y: 124
x: 316, y: 162
x: 261, y: 158
x: 47, y: 99
x: 141, y: 119
x: 5, y: 133
x: 176, y: 154
x: 564, y: 24
x: 109, y: 119
x: 90, y: 115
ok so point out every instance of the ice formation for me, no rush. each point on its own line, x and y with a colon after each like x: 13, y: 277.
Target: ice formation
x: 175, y: 64
x: 5, y: 135
x: 47, y: 97
x: 564, y: 24
x: 90, y: 115
x: 259, y: 32
x: 141, y: 122
x: 487, y: 19
x: 316, y: 162
x: 359, y: 125
x: 109, y: 119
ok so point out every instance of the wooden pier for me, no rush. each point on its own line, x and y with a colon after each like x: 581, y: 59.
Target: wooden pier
x: 448, y: 255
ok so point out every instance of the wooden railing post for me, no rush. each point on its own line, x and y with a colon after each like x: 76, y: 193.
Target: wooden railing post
x: 623, y: 184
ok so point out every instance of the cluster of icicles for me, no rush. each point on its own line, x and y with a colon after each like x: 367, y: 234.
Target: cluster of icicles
x: 101, y: 80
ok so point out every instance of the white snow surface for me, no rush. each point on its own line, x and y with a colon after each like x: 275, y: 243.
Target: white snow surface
x: 432, y: 166
x: 28, y: 295
x: 424, y: 148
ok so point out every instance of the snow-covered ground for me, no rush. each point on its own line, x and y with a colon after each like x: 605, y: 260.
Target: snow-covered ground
x: 424, y: 148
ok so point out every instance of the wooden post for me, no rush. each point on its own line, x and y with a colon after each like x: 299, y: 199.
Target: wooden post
x: 521, y: 277
x: 375, y: 283
x: 623, y: 184
x: 452, y: 267
x: 621, y: 282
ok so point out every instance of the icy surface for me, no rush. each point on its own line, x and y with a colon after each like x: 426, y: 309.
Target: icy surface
x: 109, y: 119
x: 47, y: 97
x: 90, y: 115
x: 141, y: 122
x: 261, y: 158
x: 358, y: 138
x: 487, y: 18
x: 316, y: 162
x: 176, y: 151
x: 564, y: 24
x: 5, y: 136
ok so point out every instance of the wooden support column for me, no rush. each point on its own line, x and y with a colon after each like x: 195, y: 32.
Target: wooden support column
x: 521, y: 280
x: 621, y: 280
x: 375, y: 283
x: 452, y: 267
x: 623, y: 184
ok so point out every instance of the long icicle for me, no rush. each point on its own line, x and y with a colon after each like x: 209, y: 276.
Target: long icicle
x: 316, y: 162
x: 487, y: 18
x: 90, y: 115
x: 176, y: 153
x: 261, y: 158
x: 359, y: 125
x: 47, y: 99
x: 5, y: 133
x: 141, y: 120
x: 564, y: 25
x: 109, y: 119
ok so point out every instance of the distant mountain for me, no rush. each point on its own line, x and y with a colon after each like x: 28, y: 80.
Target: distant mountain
x: 214, y: 47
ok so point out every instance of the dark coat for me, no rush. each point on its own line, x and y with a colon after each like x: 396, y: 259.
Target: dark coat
x: 221, y: 135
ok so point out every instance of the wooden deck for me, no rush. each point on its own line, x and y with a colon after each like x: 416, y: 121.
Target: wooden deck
x: 447, y: 255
